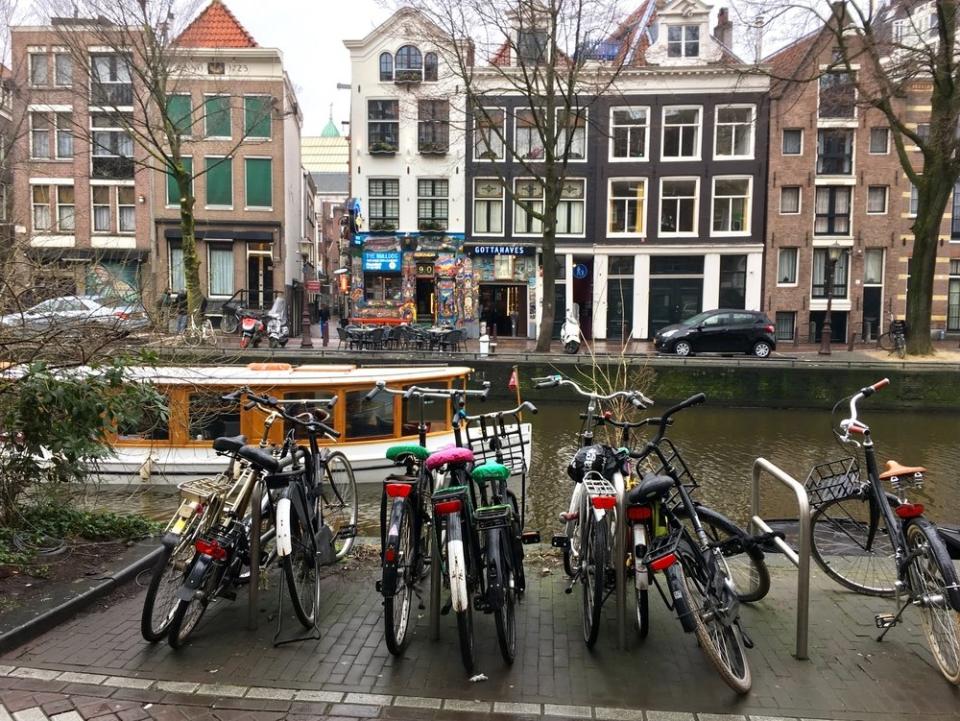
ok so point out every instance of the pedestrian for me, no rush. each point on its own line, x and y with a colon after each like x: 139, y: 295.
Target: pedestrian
x: 325, y: 324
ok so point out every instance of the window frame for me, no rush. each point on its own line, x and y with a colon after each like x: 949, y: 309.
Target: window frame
x: 48, y: 204
x: 381, y: 70
x: 48, y: 131
x: 793, y: 325
x: 796, y: 267
x: 517, y: 208
x: 534, y: 136
x: 207, y: 97
x: 268, y: 117
x: 119, y: 205
x: 580, y: 114
x: 167, y: 178
x: 93, y: 209
x: 914, y: 202
x: 643, y: 207
x: 850, y: 160
x: 212, y: 246
x: 699, y: 134
x: 98, y: 150
x: 847, y: 263
x: 31, y: 56
x: 371, y: 198
x: 853, y: 82
x: 752, y: 126
x: 368, y: 127
x: 246, y: 184
x: 683, y: 41
x: 696, y: 208
x: 438, y: 127
x: 503, y: 206
x: 206, y: 176
x: 99, y: 84
x: 501, y: 139
x: 783, y: 138
x: 748, y: 209
x: 569, y: 202
x: 58, y: 205
x: 433, y: 200
x: 886, y: 150
x: 189, y: 134
x: 833, y: 190
x: 886, y: 200
x: 611, y: 156
x: 57, y: 54
x: 799, y: 210
x: 57, y: 130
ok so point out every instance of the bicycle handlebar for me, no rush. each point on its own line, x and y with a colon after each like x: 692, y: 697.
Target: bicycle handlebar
x: 602, y: 420
x: 421, y: 392
x: 497, y: 415
x: 313, y: 425
x: 638, y: 399
x: 852, y: 424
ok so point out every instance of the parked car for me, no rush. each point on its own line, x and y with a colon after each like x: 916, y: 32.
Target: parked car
x: 719, y: 331
x: 73, y: 311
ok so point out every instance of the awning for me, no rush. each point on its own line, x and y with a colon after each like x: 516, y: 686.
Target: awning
x: 225, y: 235
x: 73, y: 255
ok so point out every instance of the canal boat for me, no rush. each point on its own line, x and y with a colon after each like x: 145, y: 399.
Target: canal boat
x: 180, y: 447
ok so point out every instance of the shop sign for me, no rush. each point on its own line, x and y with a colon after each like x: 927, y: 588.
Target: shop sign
x: 425, y: 269
x: 381, y: 261
x: 313, y: 286
x: 502, y: 249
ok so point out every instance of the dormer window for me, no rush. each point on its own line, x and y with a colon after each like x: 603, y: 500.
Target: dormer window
x: 683, y: 41
x: 430, y: 67
x: 386, y: 67
x: 409, y: 65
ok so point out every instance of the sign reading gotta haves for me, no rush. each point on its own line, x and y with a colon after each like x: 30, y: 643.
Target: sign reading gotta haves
x: 492, y: 249
x: 381, y: 261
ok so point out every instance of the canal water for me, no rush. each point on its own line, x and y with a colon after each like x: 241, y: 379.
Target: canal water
x: 719, y: 444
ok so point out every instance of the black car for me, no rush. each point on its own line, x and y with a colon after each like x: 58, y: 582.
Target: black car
x: 719, y: 331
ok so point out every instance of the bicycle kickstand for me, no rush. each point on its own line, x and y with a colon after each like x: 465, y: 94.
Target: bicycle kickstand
x: 886, y: 621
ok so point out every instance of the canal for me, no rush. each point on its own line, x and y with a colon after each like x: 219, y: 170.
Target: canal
x: 719, y: 445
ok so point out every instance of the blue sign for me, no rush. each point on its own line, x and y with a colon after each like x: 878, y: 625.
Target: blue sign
x: 381, y: 261
x: 580, y: 271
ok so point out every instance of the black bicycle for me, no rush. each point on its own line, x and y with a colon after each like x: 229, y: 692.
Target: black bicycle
x: 895, y: 339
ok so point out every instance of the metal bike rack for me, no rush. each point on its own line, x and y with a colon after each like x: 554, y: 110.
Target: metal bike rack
x: 799, y: 559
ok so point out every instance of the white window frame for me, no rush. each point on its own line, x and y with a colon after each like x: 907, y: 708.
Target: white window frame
x: 49, y: 205
x: 516, y: 135
x: 212, y: 245
x: 430, y: 198
x: 799, y: 200
x: 646, y: 135
x: 55, y: 122
x: 206, y: 118
x: 93, y: 207
x: 802, y: 140
x: 92, y: 79
x: 503, y: 207
x: 825, y: 122
x: 57, y: 204
x: 57, y: 53
x: 753, y: 130
x: 886, y: 200
x: 663, y: 133
x: 503, y: 132
x: 97, y: 149
x: 116, y: 195
x: 886, y: 150
x: 696, y: 208
x: 646, y: 196
x: 683, y: 40
x: 796, y: 267
x: 582, y: 201
x: 748, y: 210
x: 51, y: 136
x: 581, y: 114
x: 31, y: 54
x: 537, y: 232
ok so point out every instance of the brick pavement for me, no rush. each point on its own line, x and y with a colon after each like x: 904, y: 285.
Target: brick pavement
x: 348, y: 672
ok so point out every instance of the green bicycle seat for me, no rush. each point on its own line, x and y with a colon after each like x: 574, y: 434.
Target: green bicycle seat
x: 490, y: 471
x: 407, y: 449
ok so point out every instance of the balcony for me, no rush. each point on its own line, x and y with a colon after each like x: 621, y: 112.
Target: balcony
x: 432, y: 148
x: 111, y: 95
x: 112, y: 168
x: 383, y: 147
x: 407, y: 76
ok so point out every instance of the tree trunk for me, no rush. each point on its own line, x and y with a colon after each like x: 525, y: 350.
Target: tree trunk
x: 932, y: 200
x: 191, y: 262
x: 548, y: 284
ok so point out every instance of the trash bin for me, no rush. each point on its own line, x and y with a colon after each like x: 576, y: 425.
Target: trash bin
x: 484, y: 345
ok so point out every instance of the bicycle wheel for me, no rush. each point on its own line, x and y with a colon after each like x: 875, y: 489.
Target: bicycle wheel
x: 340, y: 502
x: 192, y: 336
x: 934, y: 580
x: 505, y: 617
x: 459, y: 589
x: 885, y: 341
x: 900, y: 346
x: 229, y: 323
x: 398, y: 579
x: 161, y: 600
x: 643, y: 612
x: 747, y: 567
x: 714, y: 620
x: 593, y: 576
x: 208, y: 333
x: 852, y: 549
x: 187, y: 614
x: 300, y: 566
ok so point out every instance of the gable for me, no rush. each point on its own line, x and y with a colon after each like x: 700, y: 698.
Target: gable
x: 216, y: 27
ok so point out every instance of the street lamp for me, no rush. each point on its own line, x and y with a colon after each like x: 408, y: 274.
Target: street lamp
x: 833, y: 255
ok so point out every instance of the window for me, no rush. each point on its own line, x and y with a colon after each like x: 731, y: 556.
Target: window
x: 683, y: 41
x: 955, y: 219
x: 101, y: 208
x: 733, y: 284
x: 914, y: 201
x: 790, y: 200
x: 112, y: 147
x: 681, y: 133
x: 39, y: 136
x: 734, y: 132
x: 820, y: 260
x: 528, y: 195
x: 832, y: 211
x: 433, y: 128
x: 531, y: 46
x: 572, y: 134
x: 488, y: 205
x: 628, y: 133
x: 41, y: 207
x: 126, y: 210
x: 879, y: 141
x: 384, y: 203
x: 838, y: 95
x: 953, y: 297
x: 432, y: 204
x: 731, y: 205
x: 792, y: 141
x: 218, y: 116
x: 173, y: 190
x: 62, y: 70
x: 787, y: 266
x: 368, y: 419
x: 786, y: 323
x: 386, y: 67
x: 678, y: 206
x: 110, y: 83
x: 220, y: 267
x: 383, y: 121
x: 219, y: 178
x: 383, y: 286
x: 210, y: 417
x: 409, y: 64
x: 527, y: 140
x: 259, y: 174
x: 64, y: 135
x: 835, y: 152
x: 873, y: 266
x: 39, y: 69
x: 877, y: 199
x: 178, y: 279
x: 180, y: 113
x: 489, y: 134
x: 257, y: 110
x: 66, y: 215
x: 627, y: 207
x: 430, y: 67
x: 571, y: 208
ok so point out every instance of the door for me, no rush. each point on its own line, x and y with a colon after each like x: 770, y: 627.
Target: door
x: 559, y: 308
x: 673, y: 300
x: 619, y: 308
x: 259, y: 281
x: 426, y: 298
x: 583, y: 292
x: 715, y: 334
x: 872, y: 312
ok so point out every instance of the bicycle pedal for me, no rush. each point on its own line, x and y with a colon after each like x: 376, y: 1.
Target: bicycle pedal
x: 529, y: 538
x: 560, y: 542
x: 349, y: 531
x: 885, y: 620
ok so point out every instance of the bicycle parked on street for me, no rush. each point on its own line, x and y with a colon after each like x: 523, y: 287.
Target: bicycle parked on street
x: 895, y: 339
x: 880, y: 543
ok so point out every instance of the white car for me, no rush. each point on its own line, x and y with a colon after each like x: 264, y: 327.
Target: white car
x: 71, y: 311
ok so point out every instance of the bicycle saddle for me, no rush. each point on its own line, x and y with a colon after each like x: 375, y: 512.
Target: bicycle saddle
x: 229, y: 444
x: 453, y: 454
x: 398, y: 453
x: 894, y: 469
x: 260, y: 458
x: 651, y: 487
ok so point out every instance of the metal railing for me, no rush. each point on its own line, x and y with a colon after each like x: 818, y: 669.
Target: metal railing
x: 800, y: 558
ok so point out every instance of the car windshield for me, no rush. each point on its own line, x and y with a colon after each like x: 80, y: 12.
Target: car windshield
x: 697, y: 319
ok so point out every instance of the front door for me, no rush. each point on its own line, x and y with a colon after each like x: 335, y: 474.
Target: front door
x: 872, y: 311
x: 673, y: 300
x: 583, y: 292
x: 259, y: 280
x: 559, y: 308
x: 426, y: 298
x: 619, y: 308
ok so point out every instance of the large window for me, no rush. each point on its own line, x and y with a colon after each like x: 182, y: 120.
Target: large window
x: 383, y: 286
x: 683, y: 41
x: 210, y: 417
x: 571, y: 208
x: 734, y: 131
x: 40, y: 195
x: 953, y: 297
x: 43, y: 126
x: 432, y: 204
x: 384, y: 203
x: 433, y: 126
x: 681, y: 133
x: 409, y: 64
x: 259, y: 176
x: 368, y: 419
x: 63, y: 70
x: 678, y: 206
x: 792, y: 142
x: 383, y: 123
x: 219, y: 177
x: 873, y: 266
x: 835, y: 152
x: 488, y: 134
x: 180, y: 113
x: 257, y: 112
x: 527, y: 140
x: 838, y: 95
x: 786, y: 323
x: 532, y: 46
x: 629, y: 129
x: 832, y: 210
x: 528, y: 194
x: 787, y: 266
x: 386, y: 67
x: 790, y: 200
x: 110, y: 83
x: 220, y: 269
x: 820, y: 260
x: 733, y: 281
x: 112, y: 147
x: 66, y: 209
x: 731, y: 205
x: 572, y: 134
x: 488, y: 206
x: 173, y: 190
x: 626, y: 213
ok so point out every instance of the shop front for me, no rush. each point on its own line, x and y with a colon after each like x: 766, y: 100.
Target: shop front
x: 506, y: 279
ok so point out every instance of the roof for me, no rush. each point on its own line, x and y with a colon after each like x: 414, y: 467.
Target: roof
x: 324, y: 154
x: 787, y: 62
x: 330, y: 130
x: 216, y: 27
x: 329, y: 183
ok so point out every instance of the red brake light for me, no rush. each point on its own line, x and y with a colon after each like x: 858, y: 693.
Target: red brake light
x: 603, y: 502
x: 390, y: 555
x: 444, y: 507
x: 399, y: 490
x: 909, y: 510
x: 769, y: 328
x: 211, y: 548
x: 639, y: 513
x: 663, y: 562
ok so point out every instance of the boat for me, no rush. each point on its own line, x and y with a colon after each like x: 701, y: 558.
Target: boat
x: 160, y: 451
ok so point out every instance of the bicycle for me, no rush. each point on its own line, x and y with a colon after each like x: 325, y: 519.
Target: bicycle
x: 895, y: 339
x: 195, y: 335
x: 879, y: 543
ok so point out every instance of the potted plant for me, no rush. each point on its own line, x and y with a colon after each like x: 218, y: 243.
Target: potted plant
x: 382, y: 147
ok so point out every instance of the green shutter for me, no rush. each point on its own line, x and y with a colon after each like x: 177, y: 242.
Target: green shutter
x: 179, y: 111
x: 173, y: 192
x: 259, y: 183
x: 217, y: 114
x: 256, y: 113
x: 219, y: 181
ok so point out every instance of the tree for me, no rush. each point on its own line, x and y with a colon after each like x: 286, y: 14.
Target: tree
x: 553, y: 58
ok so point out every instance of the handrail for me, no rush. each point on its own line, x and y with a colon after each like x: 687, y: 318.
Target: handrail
x: 801, y: 558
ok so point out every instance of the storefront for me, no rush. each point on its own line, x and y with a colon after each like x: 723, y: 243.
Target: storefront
x: 506, y: 279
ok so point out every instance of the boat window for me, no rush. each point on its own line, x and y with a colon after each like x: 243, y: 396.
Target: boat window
x: 371, y: 419
x: 434, y: 413
x: 151, y: 424
x: 211, y: 418
x: 299, y: 402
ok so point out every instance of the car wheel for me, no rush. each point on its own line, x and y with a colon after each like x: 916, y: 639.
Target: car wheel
x: 761, y: 349
x: 682, y: 348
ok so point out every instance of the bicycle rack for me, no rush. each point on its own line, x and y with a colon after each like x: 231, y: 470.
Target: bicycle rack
x: 799, y: 559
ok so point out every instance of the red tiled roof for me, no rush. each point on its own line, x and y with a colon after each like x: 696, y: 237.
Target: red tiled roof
x: 502, y: 56
x: 216, y: 27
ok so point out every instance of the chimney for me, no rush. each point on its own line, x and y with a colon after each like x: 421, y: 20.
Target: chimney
x: 724, y: 29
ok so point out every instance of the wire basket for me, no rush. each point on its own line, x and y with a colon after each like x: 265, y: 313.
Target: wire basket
x: 675, y: 462
x: 836, y: 479
x: 596, y: 485
x: 202, y: 490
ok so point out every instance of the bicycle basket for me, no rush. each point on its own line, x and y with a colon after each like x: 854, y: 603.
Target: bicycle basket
x: 202, y: 490
x: 836, y: 479
x: 596, y: 485
x: 675, y: 462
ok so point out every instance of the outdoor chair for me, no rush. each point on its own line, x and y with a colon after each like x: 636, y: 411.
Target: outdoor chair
x: 373, y: 339
x: 451, y: 340
x: 343, y: 338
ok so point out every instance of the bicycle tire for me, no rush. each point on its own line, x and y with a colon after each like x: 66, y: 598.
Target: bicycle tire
x: 900, y: 344
x: 841, y: 545
x: 457, y: 568
x: 229, y: 323
x: 164, y: 583
x: 747, y: 568
x: 192, y: 337
x: 885, y: 341
x: 932, y: 575
x: 643, y: 612
x: 398, y: 602
x: 340, y: 507
x: 594, y: 578
x: 209, y: 334
x: 300, y: 568
x: 505, y: 617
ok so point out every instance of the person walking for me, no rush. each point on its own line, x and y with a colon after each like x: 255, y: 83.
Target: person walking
x: 325, y: 324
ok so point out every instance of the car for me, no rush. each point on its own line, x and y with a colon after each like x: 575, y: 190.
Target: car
x: 724, y: 330
x: 79, y: 311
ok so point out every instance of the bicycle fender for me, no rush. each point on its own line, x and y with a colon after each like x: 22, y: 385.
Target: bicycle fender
x: 456, y: 560
x: 674, y: 586
x: 195, y: 579
x: 495, y: 574
x: 389, y: 583
x: 939, y: 548
x: 284, y: 541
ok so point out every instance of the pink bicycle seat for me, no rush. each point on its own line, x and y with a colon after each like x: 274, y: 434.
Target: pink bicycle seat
x: 453, y: 454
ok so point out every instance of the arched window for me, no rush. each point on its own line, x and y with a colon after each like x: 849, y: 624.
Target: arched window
x: 430, y: 66
x: 386, y: 66
x: 409, y: 63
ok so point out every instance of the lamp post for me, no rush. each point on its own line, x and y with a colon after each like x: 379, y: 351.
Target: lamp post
x: 833, y: 255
